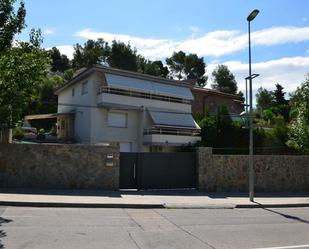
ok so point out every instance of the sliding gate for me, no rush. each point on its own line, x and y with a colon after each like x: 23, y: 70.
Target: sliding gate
x: 157, y: 170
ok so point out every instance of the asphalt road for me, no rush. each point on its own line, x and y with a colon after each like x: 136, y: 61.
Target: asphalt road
x: 46, y: 228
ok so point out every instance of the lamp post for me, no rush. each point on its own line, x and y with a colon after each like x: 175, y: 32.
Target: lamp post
x: 251, y: 16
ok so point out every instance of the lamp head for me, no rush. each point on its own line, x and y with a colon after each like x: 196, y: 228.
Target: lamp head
x: 252, y: 15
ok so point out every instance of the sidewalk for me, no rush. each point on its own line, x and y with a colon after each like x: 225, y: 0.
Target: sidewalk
x: 147, y: 199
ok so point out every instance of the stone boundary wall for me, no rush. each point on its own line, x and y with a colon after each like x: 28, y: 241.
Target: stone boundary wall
x: 60, y: 166
x: 273, y: 173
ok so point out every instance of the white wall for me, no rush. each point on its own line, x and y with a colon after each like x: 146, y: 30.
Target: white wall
x: 101, y: 132
x: 82, y: 104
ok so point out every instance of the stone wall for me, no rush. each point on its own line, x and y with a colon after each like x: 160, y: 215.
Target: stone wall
x: 272, y: 172
x: 59, y: 166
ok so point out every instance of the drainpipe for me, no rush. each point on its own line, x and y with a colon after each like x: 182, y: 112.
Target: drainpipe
x: 141, y: 131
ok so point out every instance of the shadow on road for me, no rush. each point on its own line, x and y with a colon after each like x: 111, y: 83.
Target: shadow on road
x: 295, y: 218
x: 2, y: 233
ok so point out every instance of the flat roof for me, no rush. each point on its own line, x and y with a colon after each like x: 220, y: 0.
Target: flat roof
x: 47, y: 116
x: 216, y: 92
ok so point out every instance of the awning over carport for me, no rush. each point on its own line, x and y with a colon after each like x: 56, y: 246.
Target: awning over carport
x: 48, y: 116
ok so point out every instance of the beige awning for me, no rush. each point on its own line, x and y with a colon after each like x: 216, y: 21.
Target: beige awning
x: 47, y: 116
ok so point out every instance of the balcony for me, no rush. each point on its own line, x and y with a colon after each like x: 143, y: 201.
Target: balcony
x: 173, y: 137
x: 113, y: 96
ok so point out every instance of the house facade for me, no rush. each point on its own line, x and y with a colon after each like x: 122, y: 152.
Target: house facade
x: 208, y: 100
x: 143, y: 113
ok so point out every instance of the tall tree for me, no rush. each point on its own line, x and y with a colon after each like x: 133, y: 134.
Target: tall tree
x: 122, y: 56
x: 60, y: 62
x: 11, y: 23
x: 22, y: 70
x: 224, y: 80
x: 92, y: 52
x: 299, y: 129
x: 264, y: 99
x: 279, y: 95
x: 188, y: 67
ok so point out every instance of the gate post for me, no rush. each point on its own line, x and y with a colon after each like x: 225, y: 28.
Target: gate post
x: 204, y: 159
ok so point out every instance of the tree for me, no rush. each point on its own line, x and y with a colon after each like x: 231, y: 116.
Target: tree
x: 93, y: 52
x: 241, y: 95
x: 60, y: 62
x: 279, y: 95
x: 299, y: 129
x: 22, y: 70
x: 155, y: 68
x: 264, y: 99
x: 188, y: 67
x: 122, y: 56
x: 224, y: 80
x: 11, y: 23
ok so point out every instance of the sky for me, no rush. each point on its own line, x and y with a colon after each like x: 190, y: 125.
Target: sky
x: 216, y: 30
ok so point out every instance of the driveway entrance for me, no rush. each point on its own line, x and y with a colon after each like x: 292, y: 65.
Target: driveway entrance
x: 157, y: 170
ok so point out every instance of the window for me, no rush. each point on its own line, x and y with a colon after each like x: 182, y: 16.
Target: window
x: 84, y: 87
x: 73, y: 92
x: 117, y: 119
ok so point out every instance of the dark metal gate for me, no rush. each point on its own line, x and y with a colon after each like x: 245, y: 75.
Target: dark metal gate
x: 157, y: 170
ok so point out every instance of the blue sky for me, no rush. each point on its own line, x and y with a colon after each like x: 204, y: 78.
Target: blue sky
x: 216, y: 30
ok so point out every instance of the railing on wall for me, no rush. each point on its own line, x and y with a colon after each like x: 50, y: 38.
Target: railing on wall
x: 145, y: 95
x: 176, y: 132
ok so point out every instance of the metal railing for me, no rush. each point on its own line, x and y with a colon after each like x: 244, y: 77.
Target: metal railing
x: 165, y: 131
x: 145, y: 95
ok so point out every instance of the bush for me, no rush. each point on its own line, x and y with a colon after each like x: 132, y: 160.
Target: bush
x: 18, y: 133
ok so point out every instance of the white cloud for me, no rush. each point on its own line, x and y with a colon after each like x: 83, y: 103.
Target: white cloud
x: 289, y: 72
x: 215, y: 43
x: 280, y: 35
x: 49, y: 31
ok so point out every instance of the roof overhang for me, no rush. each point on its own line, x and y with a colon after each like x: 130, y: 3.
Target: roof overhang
x: 105, y: 69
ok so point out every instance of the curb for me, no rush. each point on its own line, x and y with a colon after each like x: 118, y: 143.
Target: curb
x: 147, y: 206
x: 198, y: 206
x: 79, y: 205
x: 294, y: 205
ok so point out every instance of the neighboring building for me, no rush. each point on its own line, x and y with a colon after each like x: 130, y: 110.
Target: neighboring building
x: 208, y: 100
x: 141, y: 112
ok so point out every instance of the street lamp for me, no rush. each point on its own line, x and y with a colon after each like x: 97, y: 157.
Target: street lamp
x: 251, y: 16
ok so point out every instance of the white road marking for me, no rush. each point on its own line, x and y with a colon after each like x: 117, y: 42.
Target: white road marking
x: 285, y: 247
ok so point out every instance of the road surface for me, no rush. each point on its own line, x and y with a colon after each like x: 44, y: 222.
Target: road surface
x: 45, y: 228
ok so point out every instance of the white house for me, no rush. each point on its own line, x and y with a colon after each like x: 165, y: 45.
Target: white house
x: 142, y: 112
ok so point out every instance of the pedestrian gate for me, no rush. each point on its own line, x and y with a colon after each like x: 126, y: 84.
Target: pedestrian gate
x: 157, y: 170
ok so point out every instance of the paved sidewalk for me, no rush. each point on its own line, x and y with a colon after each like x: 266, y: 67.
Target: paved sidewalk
x: 147, y: 199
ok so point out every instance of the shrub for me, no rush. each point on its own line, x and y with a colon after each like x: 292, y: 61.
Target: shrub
x: 18, y: 133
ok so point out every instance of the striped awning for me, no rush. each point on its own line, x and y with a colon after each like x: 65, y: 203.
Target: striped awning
x: 173, y: 119
x: 148, y: 86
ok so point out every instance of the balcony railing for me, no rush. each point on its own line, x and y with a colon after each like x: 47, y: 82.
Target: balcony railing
x: 175, y: 132
x: 145, y: 95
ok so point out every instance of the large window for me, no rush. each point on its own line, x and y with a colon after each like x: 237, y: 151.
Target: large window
x: 117, y: 119
x: 84, y: 87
